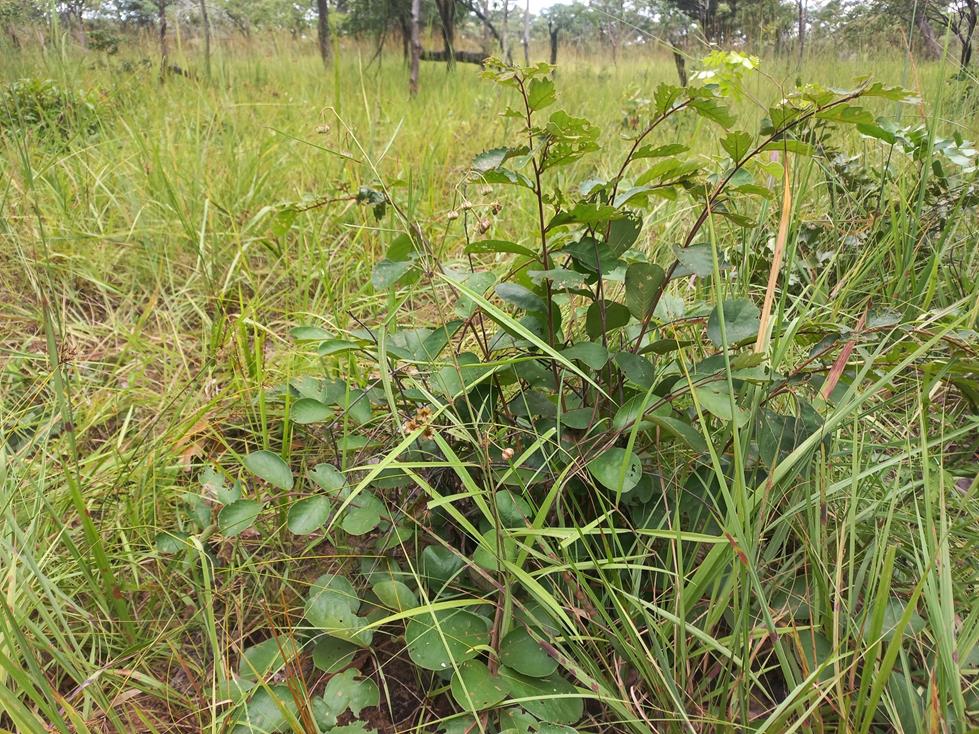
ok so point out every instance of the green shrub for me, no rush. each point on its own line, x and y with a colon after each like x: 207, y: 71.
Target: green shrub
x: 563, y: 497
x: 104, y: 39
x: 51, y: 111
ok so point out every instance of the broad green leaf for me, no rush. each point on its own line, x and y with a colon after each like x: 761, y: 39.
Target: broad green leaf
x: 515, y: 720
x: 591, y: 255
x: 388, y: 273
x: 551, y: 699
x: 495, y: 547
x: 170, y: 542
x: 270, y: 467
x: 234, y: 689
x: 848, y: 115
x: 697, y: 260
x: 267, y: 657
x: 336, y: 588
x: 741, y: 321
x: 439, y: 565
x: 237, y: 517
x: 308, y: 515
x: 474, y: 688
x: 309, y: 410
x: 228, y: 494
x: 546, y: 727
x: 779, y: 435
x: 395, y: 595
x: 506, y: 176
x: 309, y: 334
x: 199, y: 509
x: 521, y: 652
x: 336, y: 346
x: 559, y: 277
x: 787, y: 145
x: 637, y: 369
x: 332, y: 654
x: 345, y: 691
x: 479, y: 280
x: 893, y: 612
x: 816, y: 650
x: 679, y: 428
x: 327, y: 392
x: 592, y: 354
x: 490, y: 159
x: 362, y: 515
x: 633, y: 410
x: 355, y: 727
x: 578, y: 419
x: 659, y: 151
x: 616, y: 469
x: 514, y: 511
x: 569, y: 138
x: 437, y: 639
x: 712, y: 109
x: 402, y: 248
x: 615, y: 316
x: 540, y: 94
x: 211, y: 479
x: 736, y: 144
x: 332, y: 608
x: 898, y: 94
x: 715, y: 399
x: 264, y: 712
x: 502, y: 319
x: 516, y: 295
x: 643, y: 282
x: 623, y: 233
x: 483, y: 246
x: 328, y: 477
x: 666, y: 96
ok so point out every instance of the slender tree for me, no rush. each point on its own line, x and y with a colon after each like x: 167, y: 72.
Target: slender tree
x: 962, y: 17
x: 801, y: 6
x: 323, y: 30
x: 505, y: 32
x: 161, y: 20
x: 447, y: 20
x: 73, y: 13
x: 416, y: 46
x: 206, y: 23
x: 929, y: 43
x: 526, y: 34
x: 553, y: 29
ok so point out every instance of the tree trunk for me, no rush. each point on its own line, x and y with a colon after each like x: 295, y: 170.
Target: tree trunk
x: 681, y: 66
x: 416, y: 46
x: 447, y: 19
x: 404, y: 25
x: 552, y: 31
x: 79, y: 23
x: 466, y: 57
x: 802, y: 27
x: 965, y: 56
x: 971, y: 20
x: 930, y: 46
x: 11, y: 33
x: 206, y: 22
x: 482, y: 14
x: 161, y: 9
x: 323, y: 30
x: 486, y: 42
x: 505, y: 33
x: 526, y: 34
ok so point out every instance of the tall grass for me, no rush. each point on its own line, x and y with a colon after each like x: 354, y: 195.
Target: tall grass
x: 145, y: 312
